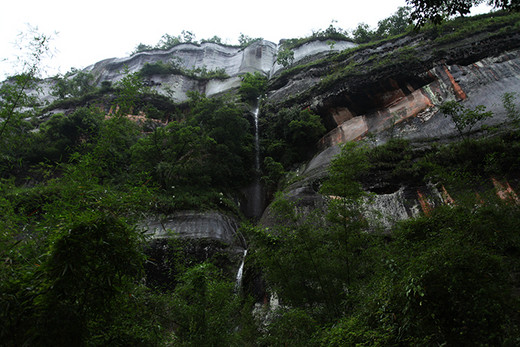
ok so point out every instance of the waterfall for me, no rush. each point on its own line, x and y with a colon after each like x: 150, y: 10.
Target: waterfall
x: 238, y: 282
x: 257, y: 137
x: 255, y: 191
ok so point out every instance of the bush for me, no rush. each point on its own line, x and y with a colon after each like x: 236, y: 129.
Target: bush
x: 252, y: 86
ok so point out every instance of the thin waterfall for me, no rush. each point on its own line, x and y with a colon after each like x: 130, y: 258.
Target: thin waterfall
x: 255, y: 192
x: 257, y: 137
x: 240, y: 272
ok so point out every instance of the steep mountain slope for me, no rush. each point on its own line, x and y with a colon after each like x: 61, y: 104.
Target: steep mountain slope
x: 127, y: 216
x: 394, y: 89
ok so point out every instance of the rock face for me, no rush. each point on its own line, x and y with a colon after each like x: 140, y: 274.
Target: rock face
x: 391, y: 89
x: 196, y: 225
x: 235, y: 61
x: 413, y: 113
x: 187, y: 238
x: 400, y: 99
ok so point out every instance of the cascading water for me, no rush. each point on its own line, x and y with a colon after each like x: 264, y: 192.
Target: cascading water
x: 240, y: 272
x: 255, y: 191
x: 257, y: 137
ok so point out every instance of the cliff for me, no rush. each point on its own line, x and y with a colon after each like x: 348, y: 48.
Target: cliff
x: 380, y: 90
x: 234, y: 61
x: 393, y: 90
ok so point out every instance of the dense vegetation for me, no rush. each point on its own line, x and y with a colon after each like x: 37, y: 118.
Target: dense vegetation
x: 74, y: 186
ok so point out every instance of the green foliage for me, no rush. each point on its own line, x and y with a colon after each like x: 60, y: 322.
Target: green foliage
x: 451, y: 285
x: 64, y: 135
x: 492, y: 24
x: 512, y: 110
x: 395, y: 161
x: 285, y: 57
x: 396, y: 24
x: 343, y: 173
x: 128, y: 90
x: 362, y: 33
x: 252, y: 87
x: 224, y: 122
x: 204, y: 308
x: 91, y: 264
x: 437, y: 11
x: 465, y: 119
x: 290, y: 327
x: 174, y: 67
x: 214, y: 39
x: 166, y: 42
x: 290, y: 135
x: 74, y: 84
x: 353, y: 331
x: 16, y: 104
x: 310, y: 263
x: 244, y: 40
x: 160, y: 68
x: 197, y: 160
x: 273, y: 172
x: 331, y: 34
x: 174, y: 155
x: 112, y: 150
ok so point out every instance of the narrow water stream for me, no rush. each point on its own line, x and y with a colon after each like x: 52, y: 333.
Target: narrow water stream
x: 238, y: 282
x: 256, y: 194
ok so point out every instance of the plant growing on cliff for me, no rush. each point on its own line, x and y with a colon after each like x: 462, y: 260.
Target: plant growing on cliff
x: 285, y: 57
x: 75, y: 83
x: 290, y: 135
x: 465, y: 118
x: 128, y: 90
x: 252, y: 87
x: 512, y: 110
x: 345, y: 195
x: 244, y: 40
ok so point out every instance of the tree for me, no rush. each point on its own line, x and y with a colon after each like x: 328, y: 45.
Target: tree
x: 285, y: 57
x: 511, y: 107
x: 245, y: 40
x: 465, y: 119
x: 345, y: 198
x: 437, y: 10
x: 174, y: 155
x: 363, y: 33
x: 291, y: 134
x: 75, y: 83
x: 214, y: 39
x: 168, y: 41
x: 14, y: 92
x: 93, y: 263
x: 129, y: 88
x: 17, y: 104
x: 142, y: 48
x: 232, y: 153
x: 205, y: 308
x: 396, y: 24
x: 253, y: 86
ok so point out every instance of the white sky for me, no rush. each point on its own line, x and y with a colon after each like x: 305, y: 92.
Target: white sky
x: 89, y: 31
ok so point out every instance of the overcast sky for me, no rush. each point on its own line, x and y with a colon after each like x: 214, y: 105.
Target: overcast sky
x: 89, y: 31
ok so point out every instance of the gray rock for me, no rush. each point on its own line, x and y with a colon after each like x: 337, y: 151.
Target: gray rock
x: 195, y: 225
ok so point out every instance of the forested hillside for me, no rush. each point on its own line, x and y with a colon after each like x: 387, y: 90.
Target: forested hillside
x: 345, y: 189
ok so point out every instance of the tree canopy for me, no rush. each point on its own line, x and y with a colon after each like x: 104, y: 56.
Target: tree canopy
x: 437, y: 10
